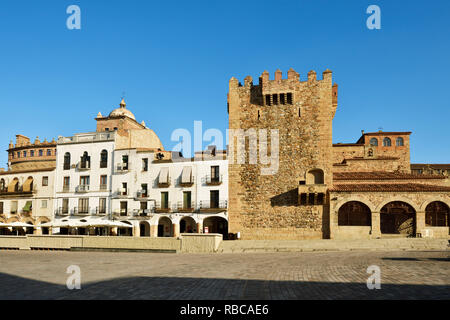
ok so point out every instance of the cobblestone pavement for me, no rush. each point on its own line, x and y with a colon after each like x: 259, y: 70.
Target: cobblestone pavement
x: 314, y: 275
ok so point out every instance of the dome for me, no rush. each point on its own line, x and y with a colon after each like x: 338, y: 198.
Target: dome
x: 122, y: 111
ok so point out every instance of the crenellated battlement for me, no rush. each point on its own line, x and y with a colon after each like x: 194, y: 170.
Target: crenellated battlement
x: 292, y: 77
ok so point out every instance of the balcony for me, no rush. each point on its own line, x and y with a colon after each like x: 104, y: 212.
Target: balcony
x: 103, y: 187
x: 186, y: 183
x: 81, y: 211
x: 163, y: 207
x: 100, y: 211
x: 62, y: 211
x: 312, y: 194
x: 121, y: 193
x: 66, y: 189
x: 185, y: 208
x: 164, y: 184
x: 213, y: 180
x: 213, y: 206
x: 83, y: 166
x: 120, y: 213
x: 17, y: 192
x: 141, y: 195
x: 142, y: 213
x: 122, y: 167
x: 82, y: 188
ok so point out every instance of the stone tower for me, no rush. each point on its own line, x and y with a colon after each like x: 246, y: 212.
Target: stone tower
x: 292, y: 202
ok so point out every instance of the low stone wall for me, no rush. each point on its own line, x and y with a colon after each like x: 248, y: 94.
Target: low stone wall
x: 436, y: 232
x: 186, y: 243
x: 200, y: 243
x: 352, y: 232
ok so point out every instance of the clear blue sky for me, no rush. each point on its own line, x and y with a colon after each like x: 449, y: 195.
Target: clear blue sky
x: 174, y: 60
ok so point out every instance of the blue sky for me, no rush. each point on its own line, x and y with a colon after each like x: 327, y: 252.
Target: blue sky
x: 173, y: 60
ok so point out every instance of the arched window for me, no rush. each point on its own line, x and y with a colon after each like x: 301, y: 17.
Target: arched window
x: 85, y: 161
x: 104, y: 159
x: 399, y: 142
x: 315, y: 177
x: 437, y: 214
x: 386, y: 142
x: 67, y: 161
x: 374, y: 142
x: 2, y: 184
x: 354, y: 213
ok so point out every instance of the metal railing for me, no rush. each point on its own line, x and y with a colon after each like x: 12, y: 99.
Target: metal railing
x: 82, y: 188
x: 122, y: 167
x: 213, y: 180
x: 206, y: 204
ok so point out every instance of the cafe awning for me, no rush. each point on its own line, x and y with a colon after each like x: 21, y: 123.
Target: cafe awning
x: 27, y: 185
x: 28, y: 206
x: 12, y: 185
x: 164, y: 175
x: 186, y: 174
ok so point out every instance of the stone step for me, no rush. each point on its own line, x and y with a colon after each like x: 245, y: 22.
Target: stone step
x: 332, y: 245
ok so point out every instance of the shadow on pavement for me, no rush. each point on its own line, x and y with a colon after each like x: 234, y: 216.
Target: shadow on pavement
x: 17, y: 288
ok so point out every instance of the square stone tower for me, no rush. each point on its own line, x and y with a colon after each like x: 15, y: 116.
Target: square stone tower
x: 292, y: 202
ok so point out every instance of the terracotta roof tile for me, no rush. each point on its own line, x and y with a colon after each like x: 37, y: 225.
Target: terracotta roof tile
x: 382, y: 175
x: 402, y: 187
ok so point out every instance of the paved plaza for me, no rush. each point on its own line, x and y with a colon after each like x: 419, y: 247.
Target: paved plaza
x: 308, y: 275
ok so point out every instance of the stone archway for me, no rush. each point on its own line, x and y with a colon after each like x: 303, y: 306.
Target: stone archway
x: 188, y: 225
x: 437, y: 214
x: 354, y: 213
x: 216, y: 225
x: 398, y: 217
x: 144, y: 229
x: 165, y: 227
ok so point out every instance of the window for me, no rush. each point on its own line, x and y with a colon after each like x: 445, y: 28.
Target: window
x: 32, y: 153
x: 66, y: 160
x: 103, y: 182
x: 84, y: 180
x: 187, y: 200
x: 145, y: 164
x: 14, y: 205
x: 399, y: 142
x: 1, y: 207
x: 214, y: 173
x: 124, y: 189
x: 83, y: 205
x: 65, y: 206
x: 44, y: 181
x: 44, y: 204
x: 102, y: 205
x: 214, y: 198
x: 144, y: 205
x: 164, y: 200
x: 275, y: 99
x: 125, y: 162
x: 386, y: 142
x: 85, y: 161
x: 282, y: 98
x: 18, y: 154
x: 66, y: 184
x: 106, y: 129
x: 104, y: 159
x: 2, y: 184
x: 374, y: 142
x: 24, y: 154
x: 289, y: 98
x: 49, y: 152
x: 41, y: 153
x: 123, y: 208
x: 268, y: 100
x: 144, y: 190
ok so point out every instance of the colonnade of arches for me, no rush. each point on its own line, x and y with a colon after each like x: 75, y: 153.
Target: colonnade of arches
x: 395, y: 217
